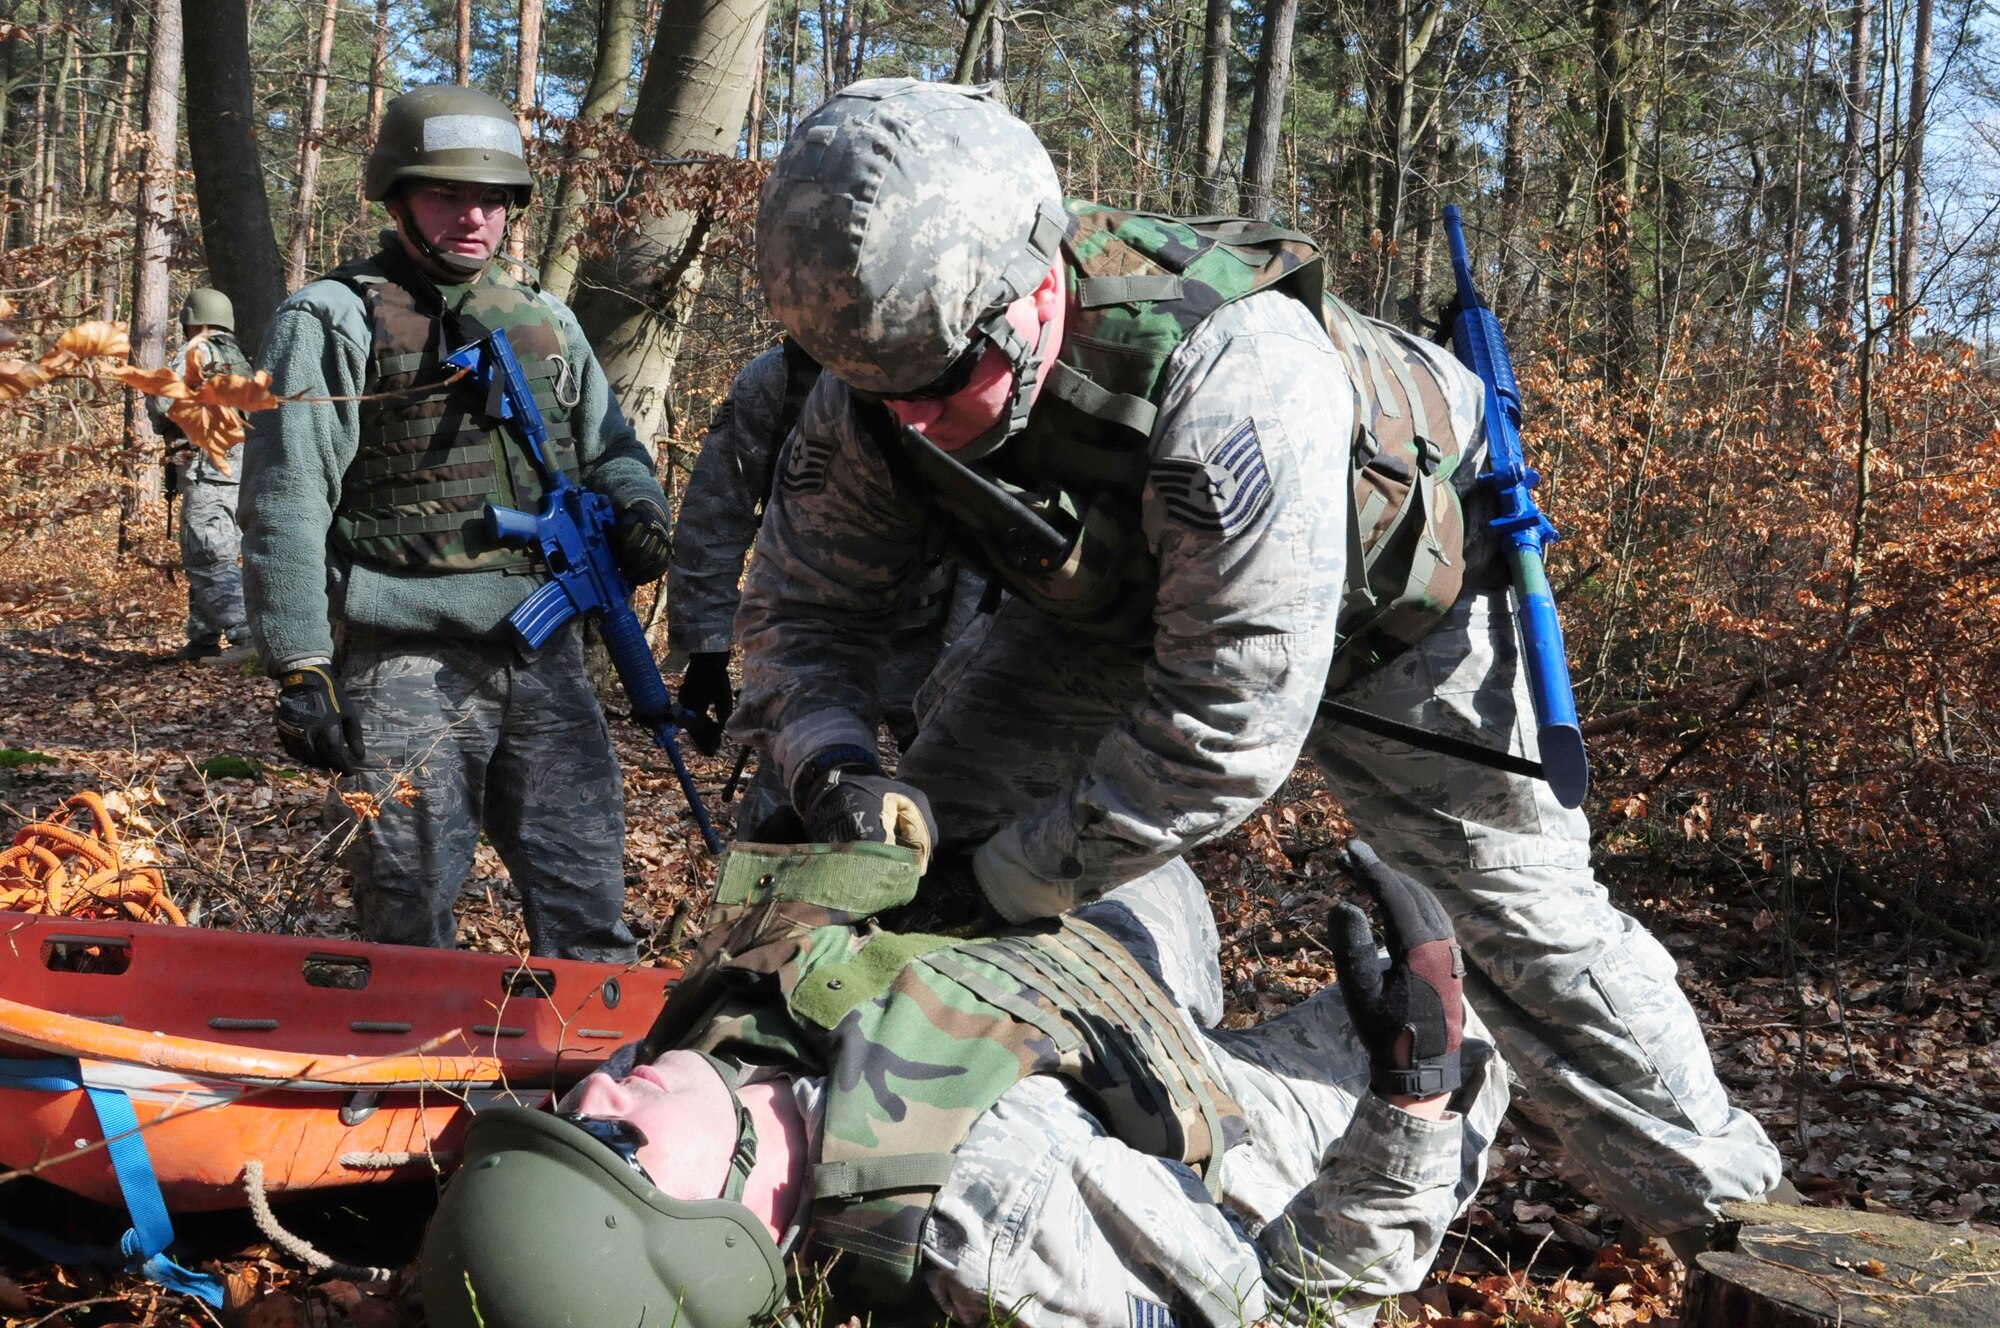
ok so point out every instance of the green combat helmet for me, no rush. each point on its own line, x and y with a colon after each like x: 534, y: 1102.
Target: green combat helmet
x: 208, y: 307
x: 452, y: 134
x: 897, y: 226
x: 546, y: 1227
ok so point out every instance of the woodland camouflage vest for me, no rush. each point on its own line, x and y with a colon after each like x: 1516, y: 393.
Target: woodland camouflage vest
x: 430, y: 459
x: 918, y: 1035
x: 220, y: 354
x: 1141, y: 285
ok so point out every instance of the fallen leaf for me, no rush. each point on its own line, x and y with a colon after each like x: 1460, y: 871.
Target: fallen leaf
x: 20, y: 377
x: 96, y: 338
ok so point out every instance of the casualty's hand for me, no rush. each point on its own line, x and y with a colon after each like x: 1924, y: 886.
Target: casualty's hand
x: 642, y: 541
x: 846, y: 801
x: 704, y: 690
x: 316, y: 722
x: 1422, y: 995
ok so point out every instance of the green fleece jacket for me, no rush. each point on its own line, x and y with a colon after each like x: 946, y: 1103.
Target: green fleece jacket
x: 295, y: 585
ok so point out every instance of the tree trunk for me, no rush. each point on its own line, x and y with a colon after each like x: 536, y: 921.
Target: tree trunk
x: 693, y: 99
x: 1267, y: 106
x: 309, y: 143
x: 1210, y: 187
x: 974, y: 45
x: 461, y: 67
x: 152, y: 249
x: 608, y: 80
x: 526, y: 71
x: 228, y: 177
x: 792, y: 72
x: 1847, y: 244
x: 1913, y: 168
x: 378, y: 65
x: 1616, y: 164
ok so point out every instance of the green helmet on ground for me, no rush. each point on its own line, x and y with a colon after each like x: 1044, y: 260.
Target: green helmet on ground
x: 208, y: 307
x: 900, y: 221
x: 450, y: 134
x: 545, y: 1227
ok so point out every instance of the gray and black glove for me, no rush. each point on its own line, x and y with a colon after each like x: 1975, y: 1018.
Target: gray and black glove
x: 316, y: 723
x: 1423, y: 991
x: 704, y: 691
x: 642, y: 541
x: 846, y: 799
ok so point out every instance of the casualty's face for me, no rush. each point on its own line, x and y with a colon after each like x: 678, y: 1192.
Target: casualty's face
x: 971, y: 412
x: 682, y: 1107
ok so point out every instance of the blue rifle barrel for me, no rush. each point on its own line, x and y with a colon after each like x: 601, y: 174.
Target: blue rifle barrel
x: 1480, y: 345
x: 573, y: 531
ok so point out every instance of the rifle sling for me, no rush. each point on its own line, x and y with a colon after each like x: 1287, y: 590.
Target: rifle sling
x: 1443, y: 744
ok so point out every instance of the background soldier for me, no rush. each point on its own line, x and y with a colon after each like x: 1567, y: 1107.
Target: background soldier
x: 377, y: 597
x: 1224, y: 459
x: 713, y: 531
x: 209, y: 539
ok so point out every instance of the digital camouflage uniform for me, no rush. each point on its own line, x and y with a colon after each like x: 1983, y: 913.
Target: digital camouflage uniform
x: 490, y: 735
x: 208, y: 536
x: 1094, y: 761
x: 716, y: 525
x: 1327, y: 1196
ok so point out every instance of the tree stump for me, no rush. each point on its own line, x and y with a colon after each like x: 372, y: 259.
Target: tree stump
x: 1789, y: 1267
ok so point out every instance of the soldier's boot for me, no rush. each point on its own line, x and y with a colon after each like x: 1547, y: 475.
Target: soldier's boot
x: 1688, y: 1243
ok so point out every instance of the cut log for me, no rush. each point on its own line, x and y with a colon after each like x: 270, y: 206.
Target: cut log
x: 1788, y: 1267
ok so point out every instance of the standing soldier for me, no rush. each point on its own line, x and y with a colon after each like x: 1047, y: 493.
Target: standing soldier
x: 208, y: 536
x: 1216, y: 496
x: 713, y: 531
x: 377, y: 596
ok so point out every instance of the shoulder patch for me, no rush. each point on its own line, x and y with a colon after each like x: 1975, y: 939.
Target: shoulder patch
x: 1148, y: 1313
x: 1222, y: 495
x: 806, y: 462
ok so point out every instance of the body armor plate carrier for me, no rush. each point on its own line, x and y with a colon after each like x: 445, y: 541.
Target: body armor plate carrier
x: 430, y: 459
x: 918, y: 1035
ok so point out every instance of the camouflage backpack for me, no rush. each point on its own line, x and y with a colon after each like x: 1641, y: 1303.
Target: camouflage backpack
x: 918, y: 1035
x: 1141, y: 285
x: 220, y: 354
x: 430, y: 460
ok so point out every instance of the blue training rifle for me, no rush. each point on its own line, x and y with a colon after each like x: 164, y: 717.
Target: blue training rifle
x: 1480, y: 345
x: 573, y: 532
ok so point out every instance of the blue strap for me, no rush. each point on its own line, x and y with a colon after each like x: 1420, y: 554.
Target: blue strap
x: 143, y: 1246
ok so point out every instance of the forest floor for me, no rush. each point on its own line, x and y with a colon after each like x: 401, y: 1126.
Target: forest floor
x: 1871, y: 1053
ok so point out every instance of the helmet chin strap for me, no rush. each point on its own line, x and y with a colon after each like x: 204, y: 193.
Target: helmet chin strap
x: 1027, y: 366
x: 461, y: 265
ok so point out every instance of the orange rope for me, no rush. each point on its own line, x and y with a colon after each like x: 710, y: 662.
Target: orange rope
x: 58, y: 868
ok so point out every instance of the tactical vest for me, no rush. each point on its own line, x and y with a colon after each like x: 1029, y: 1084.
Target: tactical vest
x: 220, y: 354
x: 430, y: 459
x: 918, y: 1035
x: 1140, y: 285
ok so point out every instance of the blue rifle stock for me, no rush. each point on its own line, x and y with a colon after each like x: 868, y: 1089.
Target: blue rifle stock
x: 573, y: 532
x: 1479, y: 344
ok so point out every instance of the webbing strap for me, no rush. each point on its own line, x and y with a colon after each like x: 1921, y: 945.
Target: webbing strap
x: 1131, y: 288
x: 448, y: 522
x: 881, y: 1175
x: 1076, y: 388
x: 143, y: 1246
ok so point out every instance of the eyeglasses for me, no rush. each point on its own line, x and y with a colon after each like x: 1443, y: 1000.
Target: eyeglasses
x: 620, y: 1136
x: 487, y: 198
x: 952, y: 381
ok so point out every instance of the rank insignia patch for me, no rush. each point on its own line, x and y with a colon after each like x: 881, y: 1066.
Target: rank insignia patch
x: 1222, y: 495
x: 805, y: 463
x: 1149, y: 1313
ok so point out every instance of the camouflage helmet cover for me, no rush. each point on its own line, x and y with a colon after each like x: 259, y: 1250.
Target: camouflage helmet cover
x: 208, y: 307
x: 544, y: 1226
x: 451, y: 134
x: 899, y: 216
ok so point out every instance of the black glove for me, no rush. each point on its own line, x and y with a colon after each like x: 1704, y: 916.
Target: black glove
x: 845, y: 799
x: 705, y: 688
x: 1423, y: 992
x: 316, y: 723
x: 643, y: 541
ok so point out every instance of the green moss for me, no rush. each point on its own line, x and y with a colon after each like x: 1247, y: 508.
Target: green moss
x: 11, y: 757
x: 231, y: 767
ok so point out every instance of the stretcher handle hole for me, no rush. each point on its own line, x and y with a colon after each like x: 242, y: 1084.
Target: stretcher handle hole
x: 343, y: 972
x: 100, y: 955
x: 537, y: 983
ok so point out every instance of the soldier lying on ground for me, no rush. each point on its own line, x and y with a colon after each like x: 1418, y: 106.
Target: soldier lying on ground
x: 1026, y: 1124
